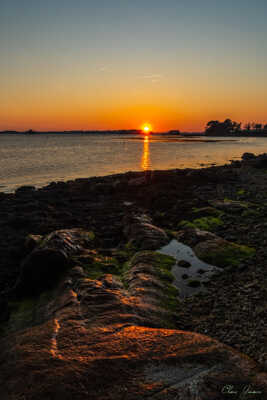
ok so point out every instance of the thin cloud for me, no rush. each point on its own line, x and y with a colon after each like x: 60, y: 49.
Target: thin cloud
x: 154, y: 78
x: 104, y: 68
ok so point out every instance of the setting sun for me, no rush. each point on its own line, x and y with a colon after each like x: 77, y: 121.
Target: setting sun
x: 146, y: 128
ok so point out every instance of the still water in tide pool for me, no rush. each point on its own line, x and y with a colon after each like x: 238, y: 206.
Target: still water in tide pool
x: 39, y: 159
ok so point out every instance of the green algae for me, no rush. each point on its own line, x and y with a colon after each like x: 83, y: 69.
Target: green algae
x: 170, y: 294
x: 96, y: 265
x: 228, y: 255
x: 204, y: 223
x: 22, y: 313
x: 207, y: 212
x: 163, y: 265
x: 245, y: 204
x: 194, y: 283
x: 250, y: 213
x: 100, y: 266
x: 90, y: 235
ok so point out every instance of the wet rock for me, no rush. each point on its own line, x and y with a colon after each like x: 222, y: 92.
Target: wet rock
x: 4, y: 310
x: 184, y: 264
x: 141, y: 233
x: 194, y: 283
x: 96, y: 348
x: 231, y: 206
x: 137, y: 181
x: 206, y: 212
x: 51, y: 256
x: 28, y: 190
x: 32, y: 242
x: 260, y: 161
x: 193, y: 236
x: 222, y: 253
x: 248, y: 156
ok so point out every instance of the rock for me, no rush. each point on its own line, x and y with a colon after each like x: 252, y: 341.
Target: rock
x: 51, y: 256
x: 248, y: 156
x: 141, y: 233
x: 25, y: 190
x: 230, y: 206
x: 4, y: 310
x: 32, y: 241
x: 206, y: 212
x: 193, y: 236
x: 260, y: 161
x: 184, y: 264
x: 95, y: 348
x: 194, y: 283
x: 221, y: 253
x: 137, y: 181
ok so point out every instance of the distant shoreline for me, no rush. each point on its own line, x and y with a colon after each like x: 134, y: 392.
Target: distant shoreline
x: 135, y: 132
x: 115, y: 132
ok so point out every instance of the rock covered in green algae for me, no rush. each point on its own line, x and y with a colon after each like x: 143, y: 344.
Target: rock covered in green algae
x: 214, y: 250
x: 222, y: 253
x: 231, y: 206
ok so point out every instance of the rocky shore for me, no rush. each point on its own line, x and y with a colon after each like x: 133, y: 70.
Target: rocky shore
x: 88, y: 305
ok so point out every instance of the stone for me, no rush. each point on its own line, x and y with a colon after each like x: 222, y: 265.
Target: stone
x: 49, y: 259
x: 193, y: 236
x: 231, y: 206
x: 194, y: 283
x: 184, y: 264
x: 141, y: 233
x: 4, y: 310
x: 92, y: 343
x: 221, y: 253
x: 31, y: 242
x: 248, y: 156
x: 27, y: 189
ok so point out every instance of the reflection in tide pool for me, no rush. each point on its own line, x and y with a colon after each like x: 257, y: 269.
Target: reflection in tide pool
x: 190, y: 279
x: 146, y: 165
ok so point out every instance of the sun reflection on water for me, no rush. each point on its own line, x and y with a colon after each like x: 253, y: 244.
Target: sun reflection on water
x: 145, y: 164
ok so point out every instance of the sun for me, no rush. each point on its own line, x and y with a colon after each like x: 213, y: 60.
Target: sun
x: 146, y: 128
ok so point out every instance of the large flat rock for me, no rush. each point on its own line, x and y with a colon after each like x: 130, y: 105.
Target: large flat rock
x: 90, y: 343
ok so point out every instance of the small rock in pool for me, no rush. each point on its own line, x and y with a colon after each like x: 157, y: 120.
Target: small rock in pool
x: 184, y: 264
x: 201, y: 271
x: 194, y: 283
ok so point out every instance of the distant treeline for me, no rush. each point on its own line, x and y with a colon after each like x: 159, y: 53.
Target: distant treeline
x: 232, y: 128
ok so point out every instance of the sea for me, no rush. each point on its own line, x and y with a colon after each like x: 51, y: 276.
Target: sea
x: 39, y: 159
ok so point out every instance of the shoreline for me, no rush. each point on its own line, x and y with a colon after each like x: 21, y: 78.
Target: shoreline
x: 232, y: 311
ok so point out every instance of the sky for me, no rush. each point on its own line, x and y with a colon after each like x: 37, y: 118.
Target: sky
x: 117, y: 64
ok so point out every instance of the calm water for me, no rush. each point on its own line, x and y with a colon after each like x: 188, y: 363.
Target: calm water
x: 38, y: 160
x: 197, y: 269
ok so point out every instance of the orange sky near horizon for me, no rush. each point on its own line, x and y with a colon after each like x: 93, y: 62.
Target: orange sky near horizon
x: 164, y: 111
x: 117, y: 65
